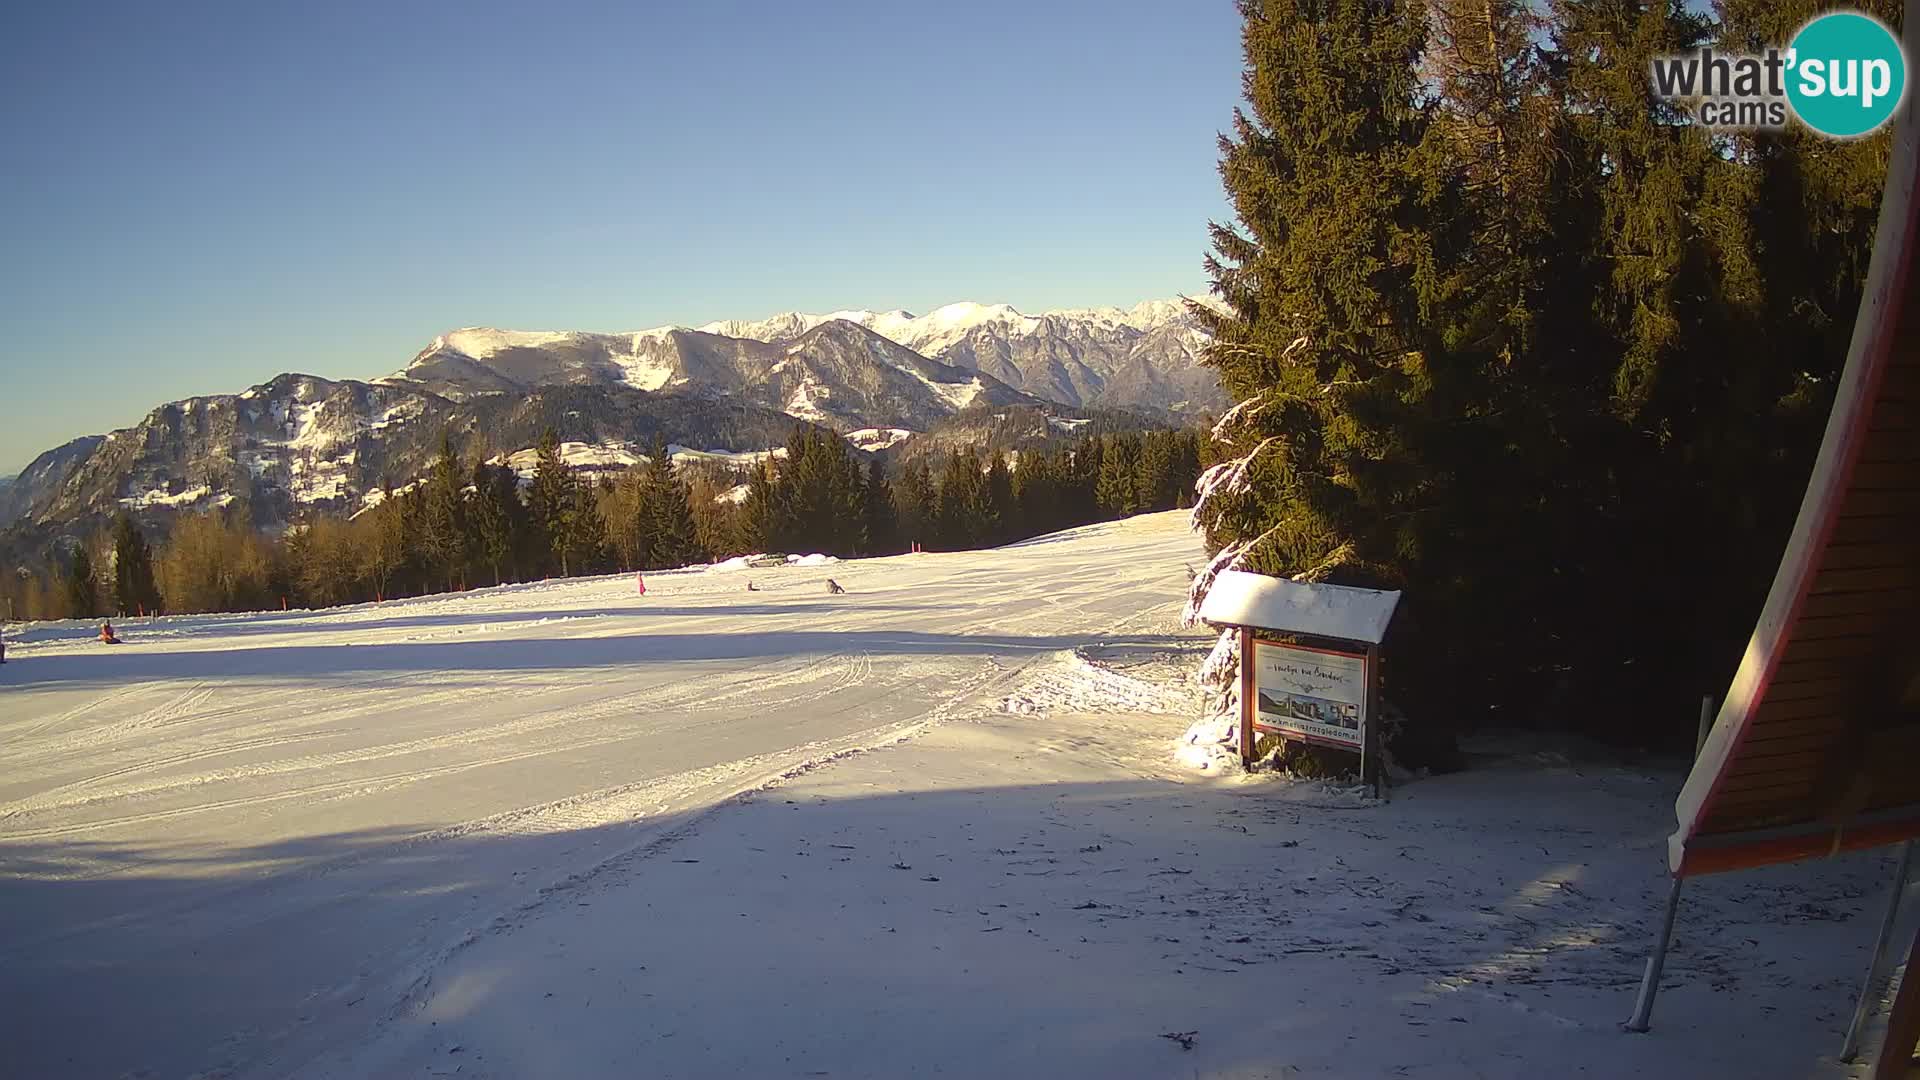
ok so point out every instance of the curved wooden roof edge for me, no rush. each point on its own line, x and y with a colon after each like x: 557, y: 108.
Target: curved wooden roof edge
x: 1752, y: 800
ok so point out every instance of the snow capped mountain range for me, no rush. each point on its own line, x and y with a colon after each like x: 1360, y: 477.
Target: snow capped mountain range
x: 1143, y: 358
x: 301, y: 441
x: 943, y: 325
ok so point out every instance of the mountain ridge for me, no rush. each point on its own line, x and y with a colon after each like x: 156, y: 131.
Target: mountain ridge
x: 1069, y: 355
x: 304, y: 441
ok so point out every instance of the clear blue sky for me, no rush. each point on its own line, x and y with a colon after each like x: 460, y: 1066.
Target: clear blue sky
x: 195, y: 197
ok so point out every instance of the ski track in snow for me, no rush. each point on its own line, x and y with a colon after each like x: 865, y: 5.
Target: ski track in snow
x: 319, y: 807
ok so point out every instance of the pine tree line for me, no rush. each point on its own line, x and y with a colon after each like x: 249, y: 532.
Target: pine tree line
x: 1508, y: 332
x: 819, y: 499
x: 467, y: 525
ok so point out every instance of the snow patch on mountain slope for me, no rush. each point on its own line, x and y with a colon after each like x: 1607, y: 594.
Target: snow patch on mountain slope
x: 732, y: 457
x: 481, y: 342
x: 319, y: 481
x: 300, y: 421
x: 958, y: 395
x: 161, y: 497
x: 406, y: 410
x: 801, y: 405
x: 588, y: 457
x: 377, y: 496
x: 641, y: 371
x: 873, y: 439
x: 614, y: 455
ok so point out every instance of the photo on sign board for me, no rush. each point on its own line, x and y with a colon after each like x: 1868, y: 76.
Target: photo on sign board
x: 1343, y: 714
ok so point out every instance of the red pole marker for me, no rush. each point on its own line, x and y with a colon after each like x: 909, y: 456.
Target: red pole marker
x: 640, y: 579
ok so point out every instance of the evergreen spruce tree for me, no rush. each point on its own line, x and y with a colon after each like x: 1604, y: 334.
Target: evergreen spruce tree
x: 819, y: 501
x: 496, y: 495
x: 83, y: 592
x: 1154, y: 479
x: 1335, y: 338
x: 1115, y: 489
x: 576, y: 534
x: 1672, y: 310
x: 550, y: 499
x: 847, y: 496
x: 1037, y: 493
x: 913, y: 504
x: 1081, y: 501
x: 958, y: 503
x: 1325, y: 273
x: 760, y: 511
x: 134, y: 590
x: 1186, y: 468
x: 802, y: 510
x: 877, y: 495
x: 669, y: 511
x: 998, y: 514
x: 444, y: 538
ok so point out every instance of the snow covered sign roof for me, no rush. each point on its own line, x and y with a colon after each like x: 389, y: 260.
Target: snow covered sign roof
x: 1239, y: 598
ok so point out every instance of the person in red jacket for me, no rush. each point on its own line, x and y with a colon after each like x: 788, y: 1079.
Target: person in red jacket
x: 106, y: 634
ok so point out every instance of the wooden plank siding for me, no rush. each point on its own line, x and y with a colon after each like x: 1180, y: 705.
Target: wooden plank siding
x: 1788, y: 770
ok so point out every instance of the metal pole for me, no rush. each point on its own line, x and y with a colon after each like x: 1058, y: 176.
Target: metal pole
x: 1877, y: 962
x: 1650, y: 985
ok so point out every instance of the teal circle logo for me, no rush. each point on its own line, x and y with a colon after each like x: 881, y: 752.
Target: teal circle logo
x: 1847, y: 74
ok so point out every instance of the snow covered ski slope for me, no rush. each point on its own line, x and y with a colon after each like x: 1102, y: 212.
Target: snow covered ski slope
x: 242, y: 832
x: 497, y: 835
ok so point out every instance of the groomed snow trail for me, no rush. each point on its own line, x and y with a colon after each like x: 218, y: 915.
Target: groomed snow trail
x: 239, y: 836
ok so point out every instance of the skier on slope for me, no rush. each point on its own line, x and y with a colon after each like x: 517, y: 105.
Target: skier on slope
x: 106, y: 634
x: 834, y: 587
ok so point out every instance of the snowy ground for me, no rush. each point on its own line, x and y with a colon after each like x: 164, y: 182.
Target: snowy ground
x: 1007, y: 897
x: 504, y: 834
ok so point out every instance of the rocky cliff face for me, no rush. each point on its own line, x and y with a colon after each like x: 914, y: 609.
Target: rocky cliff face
x: 44, y: 477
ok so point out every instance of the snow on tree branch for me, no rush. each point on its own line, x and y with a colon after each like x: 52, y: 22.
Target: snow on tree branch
x: 1228, y: 477
x: 1240, y: 413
